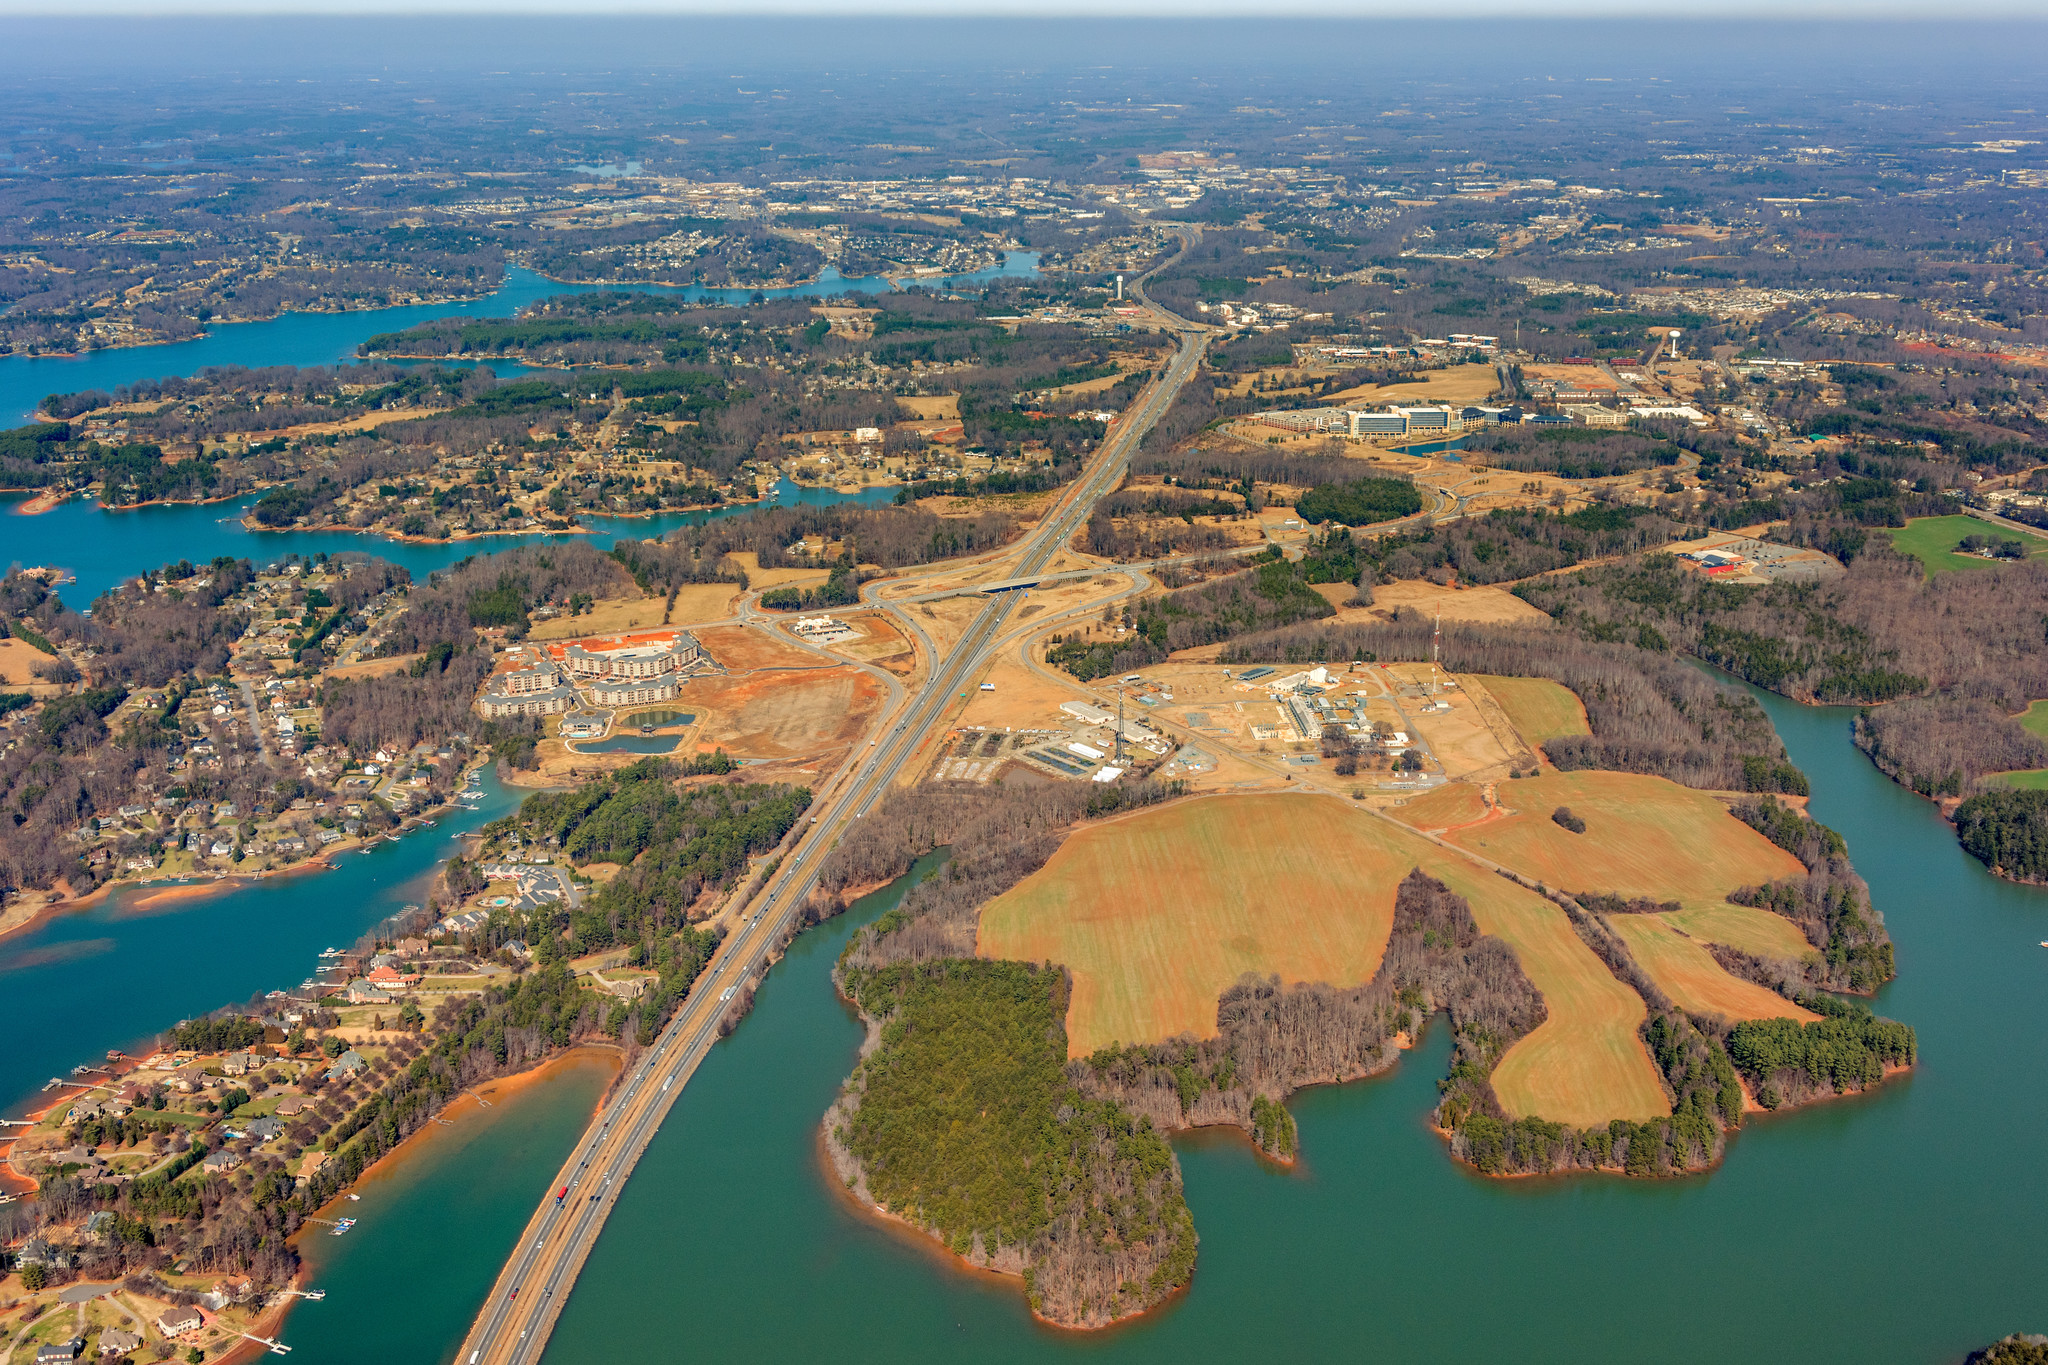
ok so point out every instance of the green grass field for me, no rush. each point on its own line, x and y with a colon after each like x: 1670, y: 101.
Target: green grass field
x: 1932, y: 541
x: 2034, y: 720
x: 1538, y: 708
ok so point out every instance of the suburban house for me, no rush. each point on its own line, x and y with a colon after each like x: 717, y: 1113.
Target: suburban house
x: 59, y: 1352
x: 177, y: 1321
x: 347, y: 1064
x: 115, y: 1342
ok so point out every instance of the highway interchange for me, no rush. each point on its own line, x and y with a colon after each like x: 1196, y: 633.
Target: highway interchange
x: 515, y: 1320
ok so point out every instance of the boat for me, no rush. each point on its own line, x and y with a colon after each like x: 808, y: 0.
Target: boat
x: 343, y: 1225
x: 330, y: 952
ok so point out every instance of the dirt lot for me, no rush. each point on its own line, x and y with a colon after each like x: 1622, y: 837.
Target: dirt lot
x: 374, y: 668
x: 880, y: 643
x: 1024, y: 699
x: 803, y: 722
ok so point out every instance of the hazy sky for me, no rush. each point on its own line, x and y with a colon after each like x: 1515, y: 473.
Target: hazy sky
x: 1870, y: 9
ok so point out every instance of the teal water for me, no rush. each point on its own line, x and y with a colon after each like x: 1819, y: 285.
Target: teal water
x: 436, y: 1222
x: 115, y: 974
x: 630, y: 744
x: 1901, y: 1226
x: 331, y: 338
x: 103, y: 548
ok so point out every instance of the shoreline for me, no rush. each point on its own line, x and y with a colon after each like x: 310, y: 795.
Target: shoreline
x: 190, y: 887
x: 470, y: 1102
x: 909, y: 1234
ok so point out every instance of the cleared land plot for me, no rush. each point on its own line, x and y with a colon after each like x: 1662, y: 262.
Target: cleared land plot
x: 1539, y: 708
x: 18, y: 661
x: 1157, y: 915
x: 614, y: 615
x: 1687, y: 972
x: 1455, y: 384
x: 1644, y: 837
x: 2034, y: 720
x: 1932, y: 541
x: 1746, y: 927
x: 1487, y: 606
x: 1585, y: 1063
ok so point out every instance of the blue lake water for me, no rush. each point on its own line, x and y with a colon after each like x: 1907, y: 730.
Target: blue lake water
x: 332, y: 338
x: 119, y: 971
x: 103, y: 547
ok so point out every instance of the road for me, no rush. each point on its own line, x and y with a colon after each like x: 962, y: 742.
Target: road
x: 515, y: 1320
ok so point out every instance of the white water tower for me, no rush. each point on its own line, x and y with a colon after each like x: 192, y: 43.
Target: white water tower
x: 1119, y: 289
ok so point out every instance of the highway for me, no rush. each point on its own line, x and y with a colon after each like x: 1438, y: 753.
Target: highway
x: 515, y: 1320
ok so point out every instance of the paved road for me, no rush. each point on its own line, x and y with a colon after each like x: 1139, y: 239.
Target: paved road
x: 516, y: 1319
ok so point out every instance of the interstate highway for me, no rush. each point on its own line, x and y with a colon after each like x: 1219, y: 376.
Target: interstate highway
x: 515, y: 1320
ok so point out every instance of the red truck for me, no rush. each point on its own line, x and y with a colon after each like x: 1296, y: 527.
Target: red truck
x: 560, y: 1195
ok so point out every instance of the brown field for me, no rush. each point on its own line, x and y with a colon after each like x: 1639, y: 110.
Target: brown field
x: 1486, y: 606
x: 1457, y: 384
x: 741, y: 649
x: 1024, y: 698
x: 1539, y: 708
x: 609, y: 616
x: 1745, y: 927
x: 18, y: 661
x: 1687, y: 972
x: 805, y: 719
x: 1156, y: 915
x: 758, y: 577
x: 1644, y: 837
x: 1585, y: 1064
x: 374, y: 668
x: 931, y: 406
x: 880, y: 643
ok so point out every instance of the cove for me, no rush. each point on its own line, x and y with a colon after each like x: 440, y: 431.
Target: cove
x: 437, y: 1218
x: 307, y: 339
x: 1895, y: 1228
x: 118, y: 972
x: 103, y: 548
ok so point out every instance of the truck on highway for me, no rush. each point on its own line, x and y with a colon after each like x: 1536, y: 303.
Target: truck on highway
x: 560, y: 1195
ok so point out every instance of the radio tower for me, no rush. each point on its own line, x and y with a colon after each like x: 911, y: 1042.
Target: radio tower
x: 1119, y: 726
x: 1436, y: 651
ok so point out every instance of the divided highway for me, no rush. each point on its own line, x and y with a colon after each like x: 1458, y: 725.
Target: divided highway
x: 516, y: 1318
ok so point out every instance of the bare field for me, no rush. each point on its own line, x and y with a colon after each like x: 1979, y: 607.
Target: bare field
x: 758, y: 577
x: 18, y: 661
x: 1455, y: 384
x: 373, y: 668
x: 804, y: 719
x: 1644, y: 837
x: 740, y: 649
x: 1585, y: 1063
x: 1485, y: 606
x: 1156, y: 915
x: 1538, y: 708
x: 927, y: 408
x: 1687, y: 972
x: 609, y: 616
x: 1024, y: 698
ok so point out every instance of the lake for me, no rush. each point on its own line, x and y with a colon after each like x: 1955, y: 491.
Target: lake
x: 103, y: 548
x: 115, y: 973
x: 1898, y: 1227
x: 306, y: 339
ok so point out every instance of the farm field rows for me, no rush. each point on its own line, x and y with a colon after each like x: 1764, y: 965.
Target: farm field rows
x: 1156, y: 915
x: 1687, y: 972
x: 1585, y: 1064
x: 1644, y: 837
